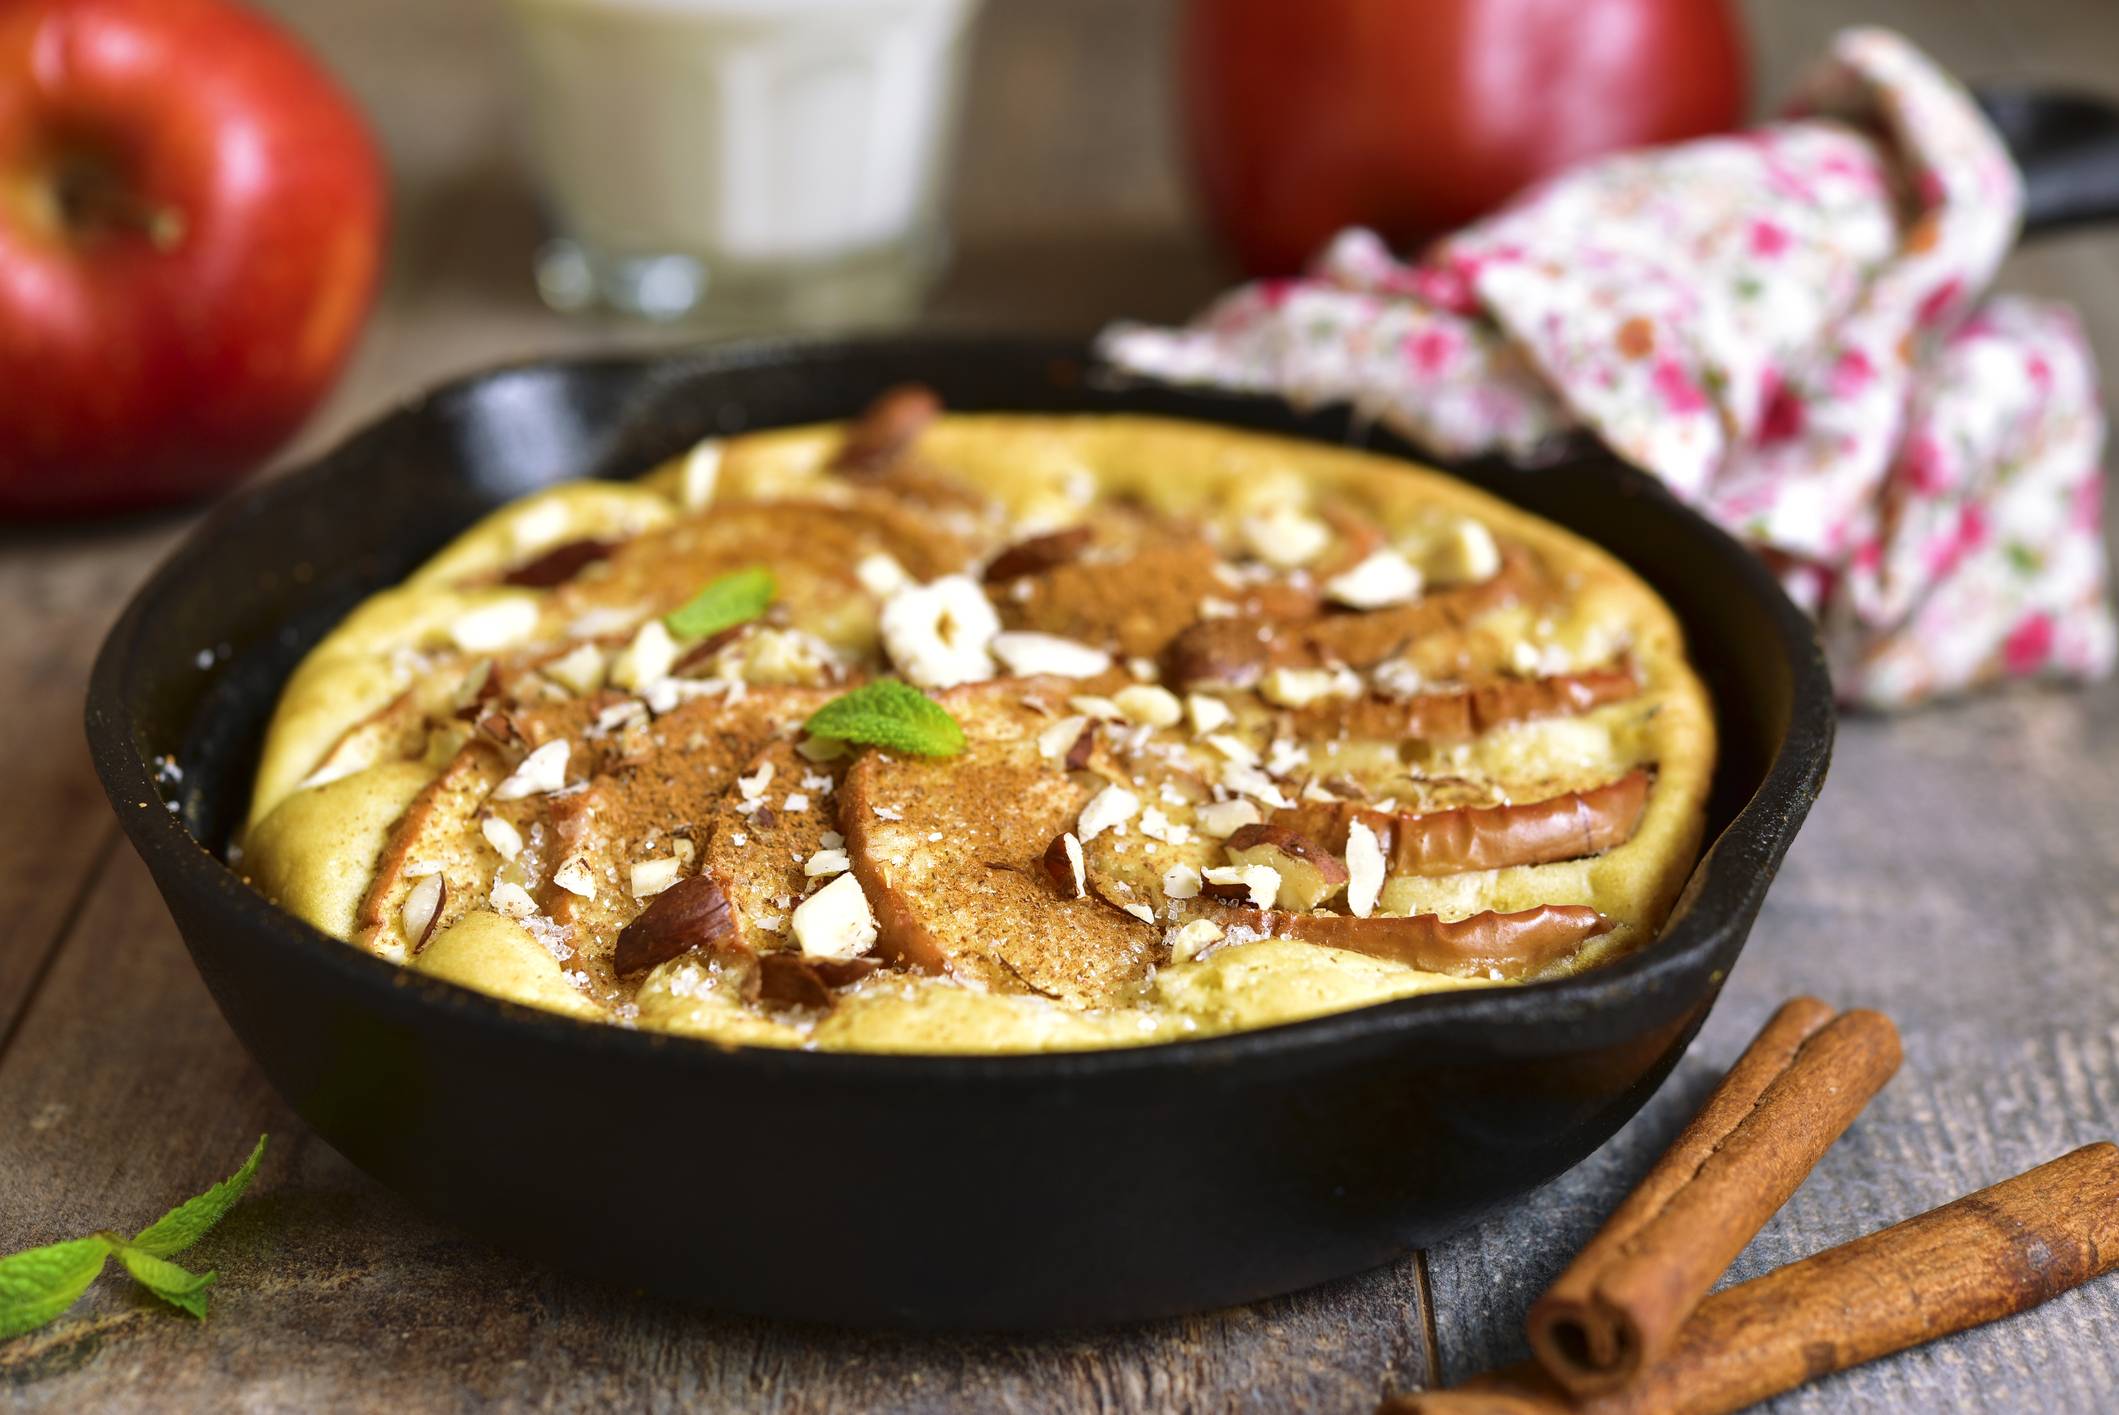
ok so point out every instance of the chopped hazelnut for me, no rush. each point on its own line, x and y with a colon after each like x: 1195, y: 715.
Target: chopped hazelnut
x: 574, y: 877
x: 939, y: 634
x: 1027, y: 654
x: 505, y: 839
x: 702, y: 472
x: 579, y: 670
x: 647, y: 659
x: 1181, y: 882
x: 1112, y: 806
x: 1066, y: 867
x: 498, y: 625
x: 1195, y: 938
x: 1260, y: 883
x: 836, y: 921
x: 1222, y: 819
x: 1364, y: 868
x: 1300, y: 687
x: 1058, y: 740
x: 1309, y: 874
x: 1149, y: 704
x: 1383, y: 579
x: 1467, y: 555
x: 1208, y: 714
x: 1285, y: 538
x: 651, y: 877
x: 541, y: 772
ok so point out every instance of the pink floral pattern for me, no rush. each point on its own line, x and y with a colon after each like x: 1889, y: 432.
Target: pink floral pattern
x: 1788, y: 328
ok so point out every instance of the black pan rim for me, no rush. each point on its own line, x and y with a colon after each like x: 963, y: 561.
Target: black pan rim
x: 1723, y: 893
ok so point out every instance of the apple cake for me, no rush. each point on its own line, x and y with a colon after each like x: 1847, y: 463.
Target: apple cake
x: 986, y: 733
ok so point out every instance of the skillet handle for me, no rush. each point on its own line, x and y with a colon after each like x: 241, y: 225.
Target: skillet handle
x: 2066, y: 145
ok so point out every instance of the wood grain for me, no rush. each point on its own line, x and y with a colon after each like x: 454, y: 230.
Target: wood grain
x: 1958, y: 874
x: 60, y: 592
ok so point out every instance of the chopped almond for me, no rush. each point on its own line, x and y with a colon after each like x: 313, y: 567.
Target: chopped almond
x: 1039, y: 554
x: 836, y: 921
x: 1258, y: 883
x: 1064, y: 863
x: 691, y: 913
x: 886, y: 431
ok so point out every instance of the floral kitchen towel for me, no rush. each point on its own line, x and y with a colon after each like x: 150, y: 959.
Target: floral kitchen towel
x: 1788, y: 327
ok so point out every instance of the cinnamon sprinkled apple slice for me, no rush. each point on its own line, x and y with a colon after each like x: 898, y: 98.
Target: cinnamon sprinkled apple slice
x: 1464, y: 713
x: 951, y: 852
x: 1236, y: 652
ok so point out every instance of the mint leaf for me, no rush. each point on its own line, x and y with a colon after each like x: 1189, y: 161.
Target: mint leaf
x: 187, y: 1223
x: 724, y: 603
x: 889, y: 713
x: 40, y: 1283
x: 177, y: 1286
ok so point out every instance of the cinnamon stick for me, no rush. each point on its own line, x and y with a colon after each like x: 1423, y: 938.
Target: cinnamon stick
x: 1616, y: 1309
x: 1986, y: 1256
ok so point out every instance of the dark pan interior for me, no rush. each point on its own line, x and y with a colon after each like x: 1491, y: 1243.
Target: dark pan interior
x: 1329, y: 1145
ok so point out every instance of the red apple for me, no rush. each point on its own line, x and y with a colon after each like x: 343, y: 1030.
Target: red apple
x: 1415, y: 116
x: 191, y: 224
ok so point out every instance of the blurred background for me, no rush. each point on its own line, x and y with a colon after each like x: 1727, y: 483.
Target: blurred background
x: 741, y: 165
x: 1070, y: 203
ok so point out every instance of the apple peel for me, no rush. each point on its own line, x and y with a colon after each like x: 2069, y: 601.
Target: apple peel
x: 1569, y: 826
x: 1504, y: 947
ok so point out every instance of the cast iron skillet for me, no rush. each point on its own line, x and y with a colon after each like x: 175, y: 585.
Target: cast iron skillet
x: 922, y: 1191
x: 971, y: 1192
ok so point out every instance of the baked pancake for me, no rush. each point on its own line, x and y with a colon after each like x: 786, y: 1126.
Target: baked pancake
x: 992, y: 733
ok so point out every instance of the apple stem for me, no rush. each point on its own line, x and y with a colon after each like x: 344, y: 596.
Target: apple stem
x: 92, y: 196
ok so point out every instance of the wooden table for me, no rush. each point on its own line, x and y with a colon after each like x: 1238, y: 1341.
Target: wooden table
x: 1959, y: 872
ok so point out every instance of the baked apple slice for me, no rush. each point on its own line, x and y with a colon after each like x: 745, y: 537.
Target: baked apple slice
x: 1569, y: 826
x: 1464, y: 713
x: 1130, y: 593
x: 644, y: 823
x: 950, y: 852
x: 1131, y: 585
x: 814, y: 548
x: 774, y: 839
x: 437, y: 835
x: 1491, y: 945
x: 1237, y: 652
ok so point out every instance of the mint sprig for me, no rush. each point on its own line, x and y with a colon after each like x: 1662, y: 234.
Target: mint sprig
x: 889, y: 713
x: 38, y: 1284
x: 724, y: 603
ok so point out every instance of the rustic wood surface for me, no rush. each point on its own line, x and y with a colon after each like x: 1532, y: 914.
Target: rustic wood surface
x: 1959, y: 873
